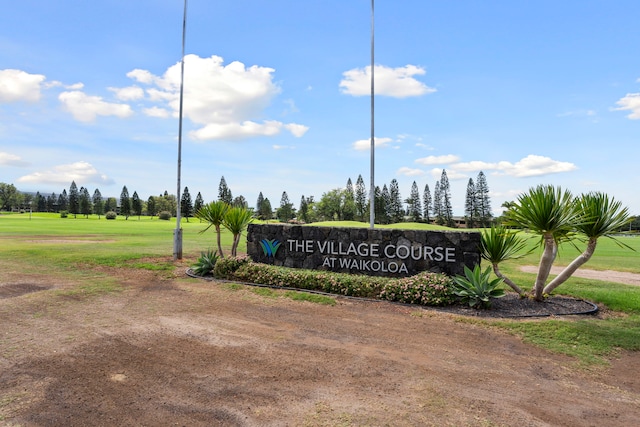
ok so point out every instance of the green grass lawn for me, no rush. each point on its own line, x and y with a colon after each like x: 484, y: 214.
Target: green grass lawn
x: 42, y: 242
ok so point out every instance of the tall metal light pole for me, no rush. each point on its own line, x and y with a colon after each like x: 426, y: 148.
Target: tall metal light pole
x: 372, y: 191
x: 177, y: 234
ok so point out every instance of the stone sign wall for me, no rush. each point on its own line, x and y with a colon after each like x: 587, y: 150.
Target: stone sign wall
x: 379, y: 252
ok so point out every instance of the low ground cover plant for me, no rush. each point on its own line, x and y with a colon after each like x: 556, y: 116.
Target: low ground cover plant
x: 424, y: 288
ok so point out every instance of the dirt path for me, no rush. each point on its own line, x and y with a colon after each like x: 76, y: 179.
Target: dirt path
x: 609, y: 275
x: 187, y: 352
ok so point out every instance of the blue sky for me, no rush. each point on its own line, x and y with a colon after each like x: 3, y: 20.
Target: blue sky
x: 276, y: 96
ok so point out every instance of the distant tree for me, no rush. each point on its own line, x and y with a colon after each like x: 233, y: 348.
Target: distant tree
x: 483, y: 203
x: 426, y: 204
x: 331, y: 204
x: 63, y: 201
x: 86, y: 207
x: 445, y: 191
x: 198, y: 202
x: 259, y: 203
x: 136, y: 205
x: 396, y: 210
x: 240, y: 202
x: 437, y: 204
x: 40, y: 203
x: 167, y: 202
x: 387, y: 205
x: 304, y: 211
x: 224, y: 193
x: 470, y: 209
x: 266, y: 211
x: 125, y: 203
x: 151, y: 206
x: 111, y: 205
x: 360, y: 198
x: 349, y: 205
x: 186, y: 205
x: 98, y: 203
x: 8, y: 196
x: 380, y: 213
x: 52, y: 203
x: 414, y: 203
x: 74, y: 199
x: 286, y: 211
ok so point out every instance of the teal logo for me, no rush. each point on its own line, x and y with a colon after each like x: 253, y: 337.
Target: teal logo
x: 270, y: 247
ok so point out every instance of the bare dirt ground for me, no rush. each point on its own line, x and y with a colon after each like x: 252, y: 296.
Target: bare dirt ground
x: 169, y: 351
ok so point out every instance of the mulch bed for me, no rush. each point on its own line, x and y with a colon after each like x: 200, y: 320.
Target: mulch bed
x: 511, y: 305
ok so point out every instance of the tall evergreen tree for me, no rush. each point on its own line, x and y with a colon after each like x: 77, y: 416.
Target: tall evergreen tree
x: 74, y: 199
x: 445, y: 191
x: 349, y: 202
x: 379, y: 206
x: 52, y: 203
x: 286, y: 211
x: 198, y: 203
x: 41, y: 202
x: 470, y: 210
x: 360, y: 199
x: 266, y: 211
x: 259, y: 203
x: 224, y: 193
x: 136, y: 204
x: 63, y: 201
x: 125, y: 203
x: 388, y: 205
x: 414, y: 203
x: 186, y: 205
x: 151, y: 206
x: 110, y: 205
x: 98, y: 203
x: 426, y: 204
x: 483, y: 203
x: 85, y: 202
x: 437, y: 204
x: 303, y: 210
x: 396, y: 210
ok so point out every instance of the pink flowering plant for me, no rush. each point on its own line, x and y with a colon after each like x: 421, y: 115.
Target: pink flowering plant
x: 423, y: 288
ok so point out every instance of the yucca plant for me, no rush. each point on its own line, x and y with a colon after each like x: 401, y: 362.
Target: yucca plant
x: 476, y: 287
x: 214, y: 214
x: 236, y: 220
x: 205, y: 263
x: 500, y: 244
x: 599, y: 217
x: 550, y: 212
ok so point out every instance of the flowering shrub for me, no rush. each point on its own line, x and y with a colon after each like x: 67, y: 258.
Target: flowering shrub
x: 111, y: 215
x: 335, y: 283
x: 226, y: 268
x: 423, y: 288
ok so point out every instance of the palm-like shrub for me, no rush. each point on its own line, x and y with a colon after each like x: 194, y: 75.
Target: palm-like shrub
x: 236, y: 220
x: 205, y: 263
x: 476, y: 287
x: 214, y: 214
x: 500, y: 244
x: 551, y: 213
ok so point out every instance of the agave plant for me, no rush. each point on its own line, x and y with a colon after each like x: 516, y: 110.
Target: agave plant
x: 205, y: 263
x: 476, y: 287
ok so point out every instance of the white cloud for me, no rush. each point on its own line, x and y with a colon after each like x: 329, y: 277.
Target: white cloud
x: 18, y: 85
x: 157, y: 112
x: 452, y: 174
x: 438, y: 160
x: 224, y: 100
x: 532, y: 165
x: 130, y: 93
x: 81, y: 172
x: 283, y: 147
x: 395, y: 82
x: 410, y: 172
x: 631, y: 102
x: 246, y: 129
x: 7, y: 159
x: 365, y: 144
x: 86, y: 108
